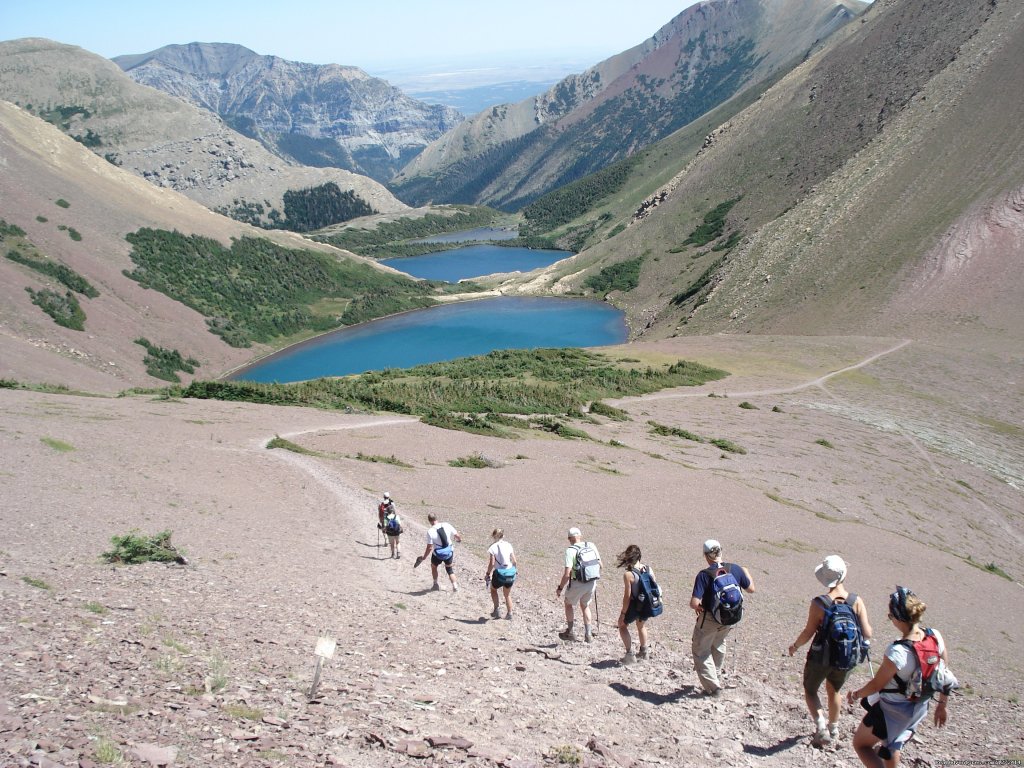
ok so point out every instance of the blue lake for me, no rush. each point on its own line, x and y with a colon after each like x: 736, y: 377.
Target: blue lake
x: 474, y: 261
x: 444, y: 333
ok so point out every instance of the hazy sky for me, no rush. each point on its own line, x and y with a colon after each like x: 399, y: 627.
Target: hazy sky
x: 371, y: 34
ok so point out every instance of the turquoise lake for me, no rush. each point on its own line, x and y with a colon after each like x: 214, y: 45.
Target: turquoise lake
x: 444, y: 333
x: 474, y: 261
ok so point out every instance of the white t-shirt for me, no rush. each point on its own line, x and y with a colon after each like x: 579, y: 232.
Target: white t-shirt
x: 435, y: 540
x: 501, y: 550
x: 906, y: 662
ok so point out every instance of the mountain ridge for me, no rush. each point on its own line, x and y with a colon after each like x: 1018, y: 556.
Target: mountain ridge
x: 348, y: 118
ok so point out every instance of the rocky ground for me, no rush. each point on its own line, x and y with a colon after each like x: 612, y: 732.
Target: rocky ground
x: 212, y: 663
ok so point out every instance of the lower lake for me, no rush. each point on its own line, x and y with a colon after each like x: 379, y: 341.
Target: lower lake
x: 444, y: 333
x: 474, y: 261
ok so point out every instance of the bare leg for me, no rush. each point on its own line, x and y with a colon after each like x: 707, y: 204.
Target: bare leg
x: 835, y: 703
x: 864, y: 743
x: 494, y: 596
x: 641, y: 632
x: 508, y: 599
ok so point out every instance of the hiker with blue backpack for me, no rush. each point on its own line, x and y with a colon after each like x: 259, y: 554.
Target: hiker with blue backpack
x: 641, y: 600
x: 897, y: 697
x: 579, y: 582
x: 718, y: 602
x: 838, y: 624
x: 441, y: 538
x: 502, y: 569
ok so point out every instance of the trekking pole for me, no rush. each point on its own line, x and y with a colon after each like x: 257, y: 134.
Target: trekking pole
x: 378, y: 541
x: 597, y: 609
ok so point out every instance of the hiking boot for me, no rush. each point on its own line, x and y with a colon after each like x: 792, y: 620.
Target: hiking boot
x: 495, y: 614
x: 588, y: 637
x: 398, y: 555
x: 629, y: 658
x: 821, y: 735
x: 833, y: 731
x: 717, y: 693
x: 455, y: 587
x: 643, y: 653
x: 436, y: 587
x: 568, y: 635
x: 509, y: 615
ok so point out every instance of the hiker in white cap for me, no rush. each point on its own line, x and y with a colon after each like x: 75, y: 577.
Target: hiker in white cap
x: 581, y: 572
x: 718, y: 602
x: 836, y: 648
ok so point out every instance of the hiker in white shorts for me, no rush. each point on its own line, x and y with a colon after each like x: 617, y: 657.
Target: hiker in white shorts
x: 579, y: 592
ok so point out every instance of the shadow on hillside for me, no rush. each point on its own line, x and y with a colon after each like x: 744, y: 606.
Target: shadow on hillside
x: 653, y: 697
x: 416, y: 593
x: 481, y: 620
x: 789, y: 743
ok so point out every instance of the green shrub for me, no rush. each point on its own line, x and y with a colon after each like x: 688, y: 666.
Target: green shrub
x: 392, y: 459
x: 608, y: 411
x: 34, y: 582
x: 316, y: 207
x: 65, y: 310
x: 288, y: 445
x: 63, y: 274
x: 667, y: 431
x: 727, y: 445
x: 165, y: 363
x: 62, y: 203
x: 748, y: 406
x: 824, y: 443
x: 133, y: 548
x: 712, y: 226
x: 624, y: 276
x: 473, y: 461
x: 58, y: 445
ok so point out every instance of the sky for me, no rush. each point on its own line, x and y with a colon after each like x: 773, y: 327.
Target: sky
x: 375, y: 35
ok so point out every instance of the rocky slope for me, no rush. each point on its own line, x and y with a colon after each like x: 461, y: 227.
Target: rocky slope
x: 99, y: 203
x: 510, y: 154
x: 322, y: 115
x: 161, y: 138
x: 879, y: 175
x: 210, y: 664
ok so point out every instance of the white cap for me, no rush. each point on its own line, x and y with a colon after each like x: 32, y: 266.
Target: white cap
x: 387, y: 495
x: 576, y: 532
x: 832, y: 571
x: 712, y: 545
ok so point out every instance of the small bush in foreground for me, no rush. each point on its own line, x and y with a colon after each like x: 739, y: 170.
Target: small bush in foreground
x: 727, y: 445
x: 132, y: 549
x: 392, y: 459
x: 288, y: 445
x: 608, y: 411
x: 667, y: 431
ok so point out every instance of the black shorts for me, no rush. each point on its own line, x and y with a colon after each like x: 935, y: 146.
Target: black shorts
x: 875, y: 720
x: 449, y: 564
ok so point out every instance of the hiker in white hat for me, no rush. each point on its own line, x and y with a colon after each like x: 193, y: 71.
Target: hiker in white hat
x: 828, y: 660
x: 582, y: 569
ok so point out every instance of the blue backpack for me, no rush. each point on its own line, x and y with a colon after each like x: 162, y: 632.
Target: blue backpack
x: 648, y: 596
x: 839, y: 643
x: 726, y: 598
x: 392, y: 526
x: 445, y: 551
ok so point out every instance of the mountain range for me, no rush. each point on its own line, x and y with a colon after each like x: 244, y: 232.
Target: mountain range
x: 510, y: 154
x: 319, y: 115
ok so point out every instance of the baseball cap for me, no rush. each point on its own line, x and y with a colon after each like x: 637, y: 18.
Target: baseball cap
x: 575, y: 532
x: 712, y: 545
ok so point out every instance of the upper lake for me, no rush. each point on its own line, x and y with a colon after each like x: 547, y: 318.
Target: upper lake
x: 474, y: 261
x: 444, y: 333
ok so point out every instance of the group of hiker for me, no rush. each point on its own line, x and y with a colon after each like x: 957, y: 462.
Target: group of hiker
x: 896, y: 699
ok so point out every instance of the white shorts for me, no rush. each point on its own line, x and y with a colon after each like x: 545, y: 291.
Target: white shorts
x: 580, y: 592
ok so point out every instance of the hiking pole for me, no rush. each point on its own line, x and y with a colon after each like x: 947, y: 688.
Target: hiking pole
x: 597, y: 609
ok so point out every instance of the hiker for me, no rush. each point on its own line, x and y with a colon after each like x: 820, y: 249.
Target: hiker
x: 393, y: 530
x: 825, y: 663
x: 718, y: 602
x: 637, y: 605
x: 581, y: 572
x: 501, y: 572
x: 441, y: 538
x: 896, y: 698
x: 386, y: 504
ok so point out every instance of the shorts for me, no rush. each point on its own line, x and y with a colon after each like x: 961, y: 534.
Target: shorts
x: 449, y: 564
x: 875, y: 720
x: 580, y: 592
x: 498, y: 582
x: 633, y: 613
x: 815, y: 674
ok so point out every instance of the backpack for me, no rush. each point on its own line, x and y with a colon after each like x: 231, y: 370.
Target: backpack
x: 931, y: 674
x: 839, y: 643
x: 392, y: 525
x: 446, y: 550
x: 648, y: 595
x: 588, y: 563
x: 726, y: 603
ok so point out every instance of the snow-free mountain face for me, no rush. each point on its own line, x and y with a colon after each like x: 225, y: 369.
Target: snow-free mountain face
x: 322, y: 115
x: 511, y: 154
x: 169, y: 142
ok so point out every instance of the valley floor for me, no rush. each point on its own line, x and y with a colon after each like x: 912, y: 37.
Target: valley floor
x: 905, y: 458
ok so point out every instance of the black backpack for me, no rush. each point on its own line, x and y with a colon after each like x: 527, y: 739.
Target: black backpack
x: 725, y: 603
